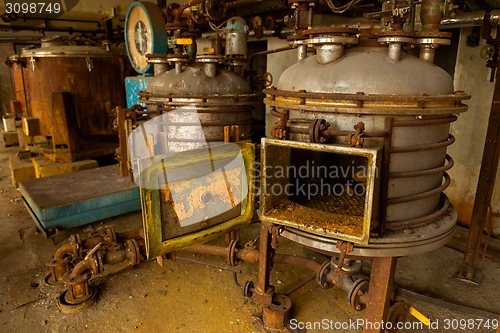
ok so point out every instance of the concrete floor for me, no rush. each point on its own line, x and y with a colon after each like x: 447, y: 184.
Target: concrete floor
x: 186, y: 297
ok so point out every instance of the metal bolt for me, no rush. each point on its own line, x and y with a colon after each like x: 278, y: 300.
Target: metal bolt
x: 358, y: 307
x: 447, y: 217
x: 360, y: 292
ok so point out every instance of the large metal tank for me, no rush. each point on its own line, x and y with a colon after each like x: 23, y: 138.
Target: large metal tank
x: 93, y: 76
x: 405, y: 106
x: 206, y: 98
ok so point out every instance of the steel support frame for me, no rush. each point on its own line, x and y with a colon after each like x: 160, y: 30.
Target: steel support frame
x: 381, y: 292
x: 485, y: 185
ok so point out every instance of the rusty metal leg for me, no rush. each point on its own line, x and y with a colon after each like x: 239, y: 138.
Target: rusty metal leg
x: 485, y: 185
x: 264, y: 291
x: 380, y: 293
x: 122, y: 136
x: 498, y: 327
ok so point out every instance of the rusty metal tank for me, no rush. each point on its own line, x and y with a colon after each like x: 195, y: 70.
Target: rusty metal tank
x: 371, y: 95
x: 94, y: 78
x: 201, y: 94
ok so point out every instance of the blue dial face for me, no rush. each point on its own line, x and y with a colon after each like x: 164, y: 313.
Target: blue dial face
x: 141, y: 37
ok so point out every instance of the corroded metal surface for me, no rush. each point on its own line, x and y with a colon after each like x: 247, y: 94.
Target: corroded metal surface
x: 91, y: 90
x: 94, y: 78
x: 159, y: 243
x: 367, y: 103
x: 406, y: 241
x: 351, y: 221
x: 200, y: 98
x: 277, y: 314
x: 380, y: 293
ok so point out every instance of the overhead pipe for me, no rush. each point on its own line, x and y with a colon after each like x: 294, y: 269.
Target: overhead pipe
x: 469, y: 19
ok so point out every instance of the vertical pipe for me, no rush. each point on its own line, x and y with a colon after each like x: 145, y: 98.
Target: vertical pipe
x: 427, y: 53
x: 431, y: 14
x: 265, y: 261
x: 301, y: 52
x: 394, y: 52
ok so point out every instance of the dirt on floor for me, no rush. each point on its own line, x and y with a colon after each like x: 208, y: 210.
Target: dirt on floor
x: 188, y: 297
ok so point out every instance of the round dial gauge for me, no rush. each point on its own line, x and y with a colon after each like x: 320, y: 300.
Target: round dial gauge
x: 144, y: 34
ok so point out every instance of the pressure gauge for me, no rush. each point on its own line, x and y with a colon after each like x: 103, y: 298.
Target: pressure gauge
x: 144, y: 34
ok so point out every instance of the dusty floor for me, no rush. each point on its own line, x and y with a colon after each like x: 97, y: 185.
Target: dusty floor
x: 186, y: 297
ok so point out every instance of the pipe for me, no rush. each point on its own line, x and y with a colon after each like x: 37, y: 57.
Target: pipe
x: 68, y: 30
x: 81, y: 267
x: 470, y: 19
x: 208, y: 249
x: 191, y: 3
x: 134, y: 234
x: 297, y: 261
x: 252, y: 256
x: 62, y: 251
x: 394, y: 52
x: 427, y: 53
x: 258, y: 54
x: 326, y: 54
x: 431, y: 13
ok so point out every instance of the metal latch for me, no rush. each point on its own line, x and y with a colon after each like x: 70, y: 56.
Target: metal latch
x: 90, y: 63
x: 32, y: 62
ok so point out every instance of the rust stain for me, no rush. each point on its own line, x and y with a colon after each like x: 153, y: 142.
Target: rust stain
x: 345, y: 220
x: 212, y: 186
